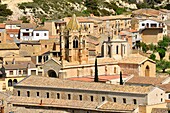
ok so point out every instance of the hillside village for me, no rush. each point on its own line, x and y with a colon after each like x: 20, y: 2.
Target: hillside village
x: 92, y: 64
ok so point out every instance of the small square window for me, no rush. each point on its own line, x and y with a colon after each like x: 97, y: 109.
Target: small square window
x: 37, y: 34
x: 20, y: 72
x: 45, y: 34
x: 11, y: 72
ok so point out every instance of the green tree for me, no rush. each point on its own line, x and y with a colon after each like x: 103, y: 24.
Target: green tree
x: 96, y: 79
x: 92, y: 6
x: 152, y: 47
x: 161, y: 52
x: 25, y: 19
x: 163, y: 65
x: 121, y: 79
x: 4, y: 11
x: 152, y: 56
x: 144, y: 47
x: 163, y: 44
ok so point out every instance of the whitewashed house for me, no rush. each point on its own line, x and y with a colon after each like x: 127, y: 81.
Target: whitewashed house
x: 26, y: 31
x: 40, y: 33
x: 29, y: 32
x: 153, y: 24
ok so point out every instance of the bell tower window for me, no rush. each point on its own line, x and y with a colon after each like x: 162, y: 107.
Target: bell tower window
x: 75, y: 43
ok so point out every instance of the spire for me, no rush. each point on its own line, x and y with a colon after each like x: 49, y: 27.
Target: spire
x: 73, y: 24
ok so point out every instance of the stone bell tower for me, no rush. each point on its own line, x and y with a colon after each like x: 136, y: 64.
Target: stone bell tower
x: 73, y: 45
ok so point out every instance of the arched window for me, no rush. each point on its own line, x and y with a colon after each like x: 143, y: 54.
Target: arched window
x: 84, y: 43
x: 147, y: 71
x: 15, y: 81
x: 9, y: 82
x: 109, y: 49
x: 117, y: 49
x: 75, y: 43
x: 66, y: 43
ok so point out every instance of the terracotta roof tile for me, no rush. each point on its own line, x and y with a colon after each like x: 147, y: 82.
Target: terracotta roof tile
x: 146, y: 80
x: 2, y: 26
x: 12, y: 31
x: 159, y: 110
x: 134, y: 59
x: 28, y: 26
x: 102, y: 78
x: 165, y: 87
x: 115, y: 106
x: 40, y: 81
x: 86, y: 105
x: 8, y: 46
x: 19, y: 65
x: 13, y: 22
x: 53, y: 102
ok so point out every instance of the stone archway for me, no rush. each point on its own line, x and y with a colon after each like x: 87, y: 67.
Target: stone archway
x: 147, y: 71
x: 52, y: 73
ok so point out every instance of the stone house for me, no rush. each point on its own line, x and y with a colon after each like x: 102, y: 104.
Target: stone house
x: 6, y: 48
x: 131, y: 36
x: 30, y: 104
x: 2, y: 33
x: 54, y: 27
x: 45, y: 87
x: 137, y: 65
x: 12, y: 28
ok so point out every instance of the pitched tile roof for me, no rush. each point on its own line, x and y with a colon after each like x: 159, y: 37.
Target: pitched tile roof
x: 147, y: 12
x: 102, y: 78
x: 159, y: 110
x: 86, y: 105
x: 146, y: 80
x: 2, y: 26
x: 165, y: 87
x: 8, y: 46
x: 28, y: 26
x: 115, y: 106
x: 13, y: 22
x: 40, y: 29
x: 19, y: 65
x: 47, y: 82
x: 134, y: 59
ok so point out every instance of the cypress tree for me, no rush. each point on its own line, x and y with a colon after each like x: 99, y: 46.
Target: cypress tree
x: 121, y: 80
x: 96, y: 79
